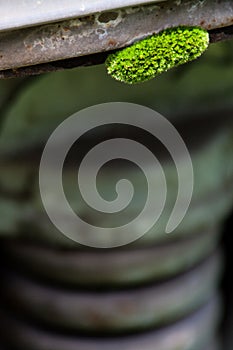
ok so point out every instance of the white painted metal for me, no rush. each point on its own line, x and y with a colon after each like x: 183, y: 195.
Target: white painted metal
x: 24, y: 13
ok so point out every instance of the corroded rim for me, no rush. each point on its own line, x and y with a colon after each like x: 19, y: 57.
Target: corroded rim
x: 115, y: 311
x: 119, y: 267
x: 193, y: 332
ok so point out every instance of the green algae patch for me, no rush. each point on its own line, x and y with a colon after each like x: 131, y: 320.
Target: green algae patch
x: 156, y: 54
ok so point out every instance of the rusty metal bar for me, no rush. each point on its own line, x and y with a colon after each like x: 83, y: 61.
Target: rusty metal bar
x: 94, y: 59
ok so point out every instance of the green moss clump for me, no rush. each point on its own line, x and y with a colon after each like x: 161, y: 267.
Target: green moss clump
x: 156, y: 54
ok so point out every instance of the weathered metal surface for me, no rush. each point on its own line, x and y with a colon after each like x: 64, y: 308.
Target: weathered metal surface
x: 102, y: 32
x: 191, y: 333
x: 114, y: 311
x: 120, y: 267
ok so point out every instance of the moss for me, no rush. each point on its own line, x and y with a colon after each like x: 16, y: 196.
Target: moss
x: 156, y: 54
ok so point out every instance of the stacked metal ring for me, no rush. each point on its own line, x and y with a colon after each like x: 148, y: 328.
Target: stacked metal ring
x: 160, y: 291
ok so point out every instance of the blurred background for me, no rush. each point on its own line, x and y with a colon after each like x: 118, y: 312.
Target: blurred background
x: 162, y: 292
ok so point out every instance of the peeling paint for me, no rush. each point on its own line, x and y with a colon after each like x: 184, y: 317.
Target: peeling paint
x: 109, y: 23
